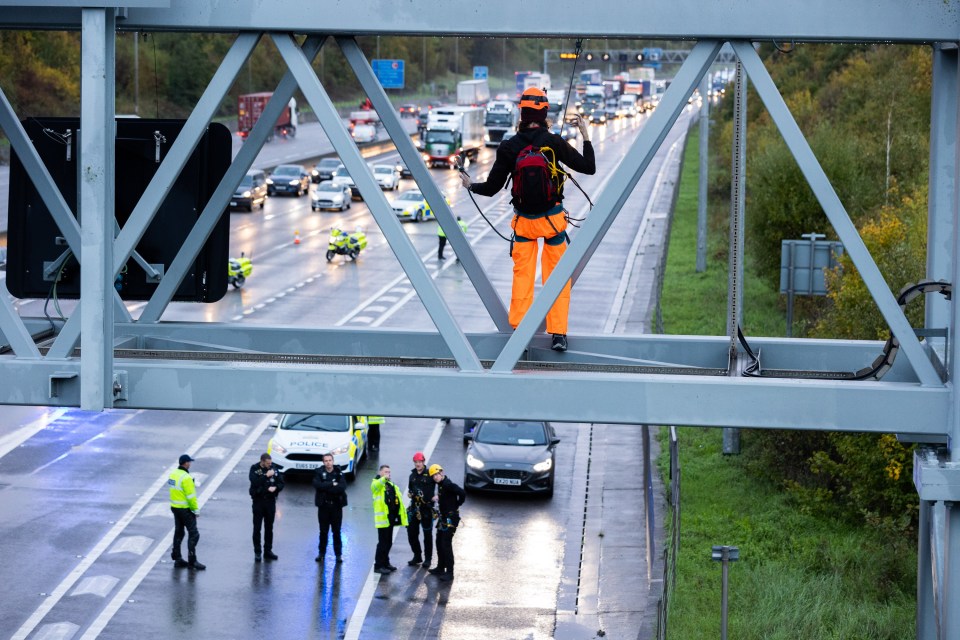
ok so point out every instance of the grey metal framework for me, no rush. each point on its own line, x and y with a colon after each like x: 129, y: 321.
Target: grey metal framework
x: 690, y: 380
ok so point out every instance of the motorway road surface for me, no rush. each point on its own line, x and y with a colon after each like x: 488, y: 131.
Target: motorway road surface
x: 87, y: 527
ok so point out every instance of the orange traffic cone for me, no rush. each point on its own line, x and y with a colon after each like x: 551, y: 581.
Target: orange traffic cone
x: 296, y: 237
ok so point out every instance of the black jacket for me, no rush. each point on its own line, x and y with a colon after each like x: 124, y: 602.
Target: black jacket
x: 451, y: 497
x: 508, y: 151
x: 331, y: 487
x: 259, y: 482
x: 420, y: 488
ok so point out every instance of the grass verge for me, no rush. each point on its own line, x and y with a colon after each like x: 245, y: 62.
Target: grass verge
x: 799, y: 576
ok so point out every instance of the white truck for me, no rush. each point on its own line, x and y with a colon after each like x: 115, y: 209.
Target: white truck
x: 452, y: 132
x: 471, y: 93
x: 538, y: 80
x: 501, y: 116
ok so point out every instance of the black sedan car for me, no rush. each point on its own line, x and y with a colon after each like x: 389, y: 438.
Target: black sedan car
x: 324, y: 169
x: 506, y: 455
x: 288, y: 178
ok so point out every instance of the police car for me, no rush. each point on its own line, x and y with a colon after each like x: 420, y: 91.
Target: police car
x: 301, y: 439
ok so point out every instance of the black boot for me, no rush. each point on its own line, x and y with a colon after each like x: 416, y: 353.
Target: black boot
x: 194, y: 564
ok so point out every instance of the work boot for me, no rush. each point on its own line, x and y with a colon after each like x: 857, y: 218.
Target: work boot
x: 445, y: 577
x: 339, y: 559
x: 257, y: 557
x: 426, y: 562
x: 270, y: 555
x: 391, y: 567
x: 382, y: 571
x: 437, y: 571
x: 197, y: 566
x: 319, y: 559
x: 416, y: 560
x: 180, y: 563
x: 559, y: 342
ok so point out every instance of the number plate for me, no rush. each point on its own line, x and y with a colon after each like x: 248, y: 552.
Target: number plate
x: 513, y: 482
x: 233, y: 204
x: 305, y: 465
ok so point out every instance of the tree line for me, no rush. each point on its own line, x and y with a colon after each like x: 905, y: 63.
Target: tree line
x: 865, y: 111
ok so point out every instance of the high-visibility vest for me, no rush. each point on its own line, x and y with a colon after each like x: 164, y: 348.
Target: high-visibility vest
x: 381, y: 512
x: 463, y: 226
x: 183, y: 493
x: 373, y: 419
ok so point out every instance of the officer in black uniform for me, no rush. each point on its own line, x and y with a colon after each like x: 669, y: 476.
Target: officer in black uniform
x: 420, y: 489
x: 330, y: 499
x: 266, y: 483
x: 449, y: 498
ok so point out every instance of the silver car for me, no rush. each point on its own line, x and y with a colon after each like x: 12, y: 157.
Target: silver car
x: 329, y: 195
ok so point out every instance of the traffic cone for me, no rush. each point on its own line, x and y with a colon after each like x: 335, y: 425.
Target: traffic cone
x: 296, y: 236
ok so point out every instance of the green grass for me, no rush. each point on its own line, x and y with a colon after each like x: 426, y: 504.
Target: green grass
x: 799, y: 576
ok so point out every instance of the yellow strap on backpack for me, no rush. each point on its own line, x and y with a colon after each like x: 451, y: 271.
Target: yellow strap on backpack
x: 558, y: 175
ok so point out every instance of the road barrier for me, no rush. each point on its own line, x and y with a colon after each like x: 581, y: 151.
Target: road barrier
x: 673, y: 547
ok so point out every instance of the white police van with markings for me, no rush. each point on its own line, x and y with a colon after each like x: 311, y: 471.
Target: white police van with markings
x: 301, y: 439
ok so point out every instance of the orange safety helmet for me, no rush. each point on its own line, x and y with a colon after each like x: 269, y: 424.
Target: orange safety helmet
x: 533, y: 98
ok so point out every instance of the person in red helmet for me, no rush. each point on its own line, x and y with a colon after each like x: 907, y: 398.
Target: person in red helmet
x: 541, y: 214
x: 420, y: 490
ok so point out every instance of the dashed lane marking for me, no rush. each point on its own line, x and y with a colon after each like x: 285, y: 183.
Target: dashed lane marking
x: 132, y: 544
x: 57, y: 631
x: 65, y: 585
x: 96, y: 585
x: 130, y: 585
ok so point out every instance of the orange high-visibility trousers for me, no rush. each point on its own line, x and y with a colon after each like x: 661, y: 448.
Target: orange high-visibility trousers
x: 528, y: 230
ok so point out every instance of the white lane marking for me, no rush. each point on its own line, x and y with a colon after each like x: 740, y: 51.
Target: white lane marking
x: 355, y: 624
x: 156, y: 510
x: 57, y: 631
x: 376, y: 308
x: 132, y: 544
x: 57, y: 594
x: 13, y: 440
x: 217, y: 453
x: 130, y: 585
x: 617, y: 306
x: 362, y: 319
x: 387, y: 299
x: 96, y: 585
x: 235, y: 429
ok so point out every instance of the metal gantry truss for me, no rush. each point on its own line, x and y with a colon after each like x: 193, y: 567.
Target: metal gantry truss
x: 644, y: 379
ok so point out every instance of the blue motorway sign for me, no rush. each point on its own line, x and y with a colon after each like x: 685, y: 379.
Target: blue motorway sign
x: 389, y: 73
x: 480, y: 73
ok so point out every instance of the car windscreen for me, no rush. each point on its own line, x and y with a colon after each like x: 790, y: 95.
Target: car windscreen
x: 440, y: 137
x: 247, y: 181
x: 413, y: 196
x: 342, y: 173
x: 286, y: 171
x: 313, y: 422
x: 522, y: 434
x: 495, y: 118
x: 329, y: 163
x: 329, y: 186
x: 386, y: 170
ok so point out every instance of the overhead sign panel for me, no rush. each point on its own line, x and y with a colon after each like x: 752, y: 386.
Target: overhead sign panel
x: 390, y: 73
x: 480, y: 73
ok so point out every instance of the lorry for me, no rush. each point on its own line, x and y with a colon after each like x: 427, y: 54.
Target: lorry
x: 614, y: 89
x: 538, y: 80
x: 630, y: 103
x: 251, y: 105
x: 521, y: 77
x: 598, y: 93
x: 556, y: 99
x: 501, y: 116
x: 473, y: 93
x: 452, y: 132
x: 591, y: 76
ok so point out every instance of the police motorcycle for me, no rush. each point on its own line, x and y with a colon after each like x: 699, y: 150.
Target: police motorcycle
x: 238, y: 270
x: 342, y: 243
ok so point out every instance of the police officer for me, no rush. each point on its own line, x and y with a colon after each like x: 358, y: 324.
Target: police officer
x: 373, y: 430
x: 266, y: 483
x: 420, y: 489
x: 449, y: 498
x: 183, y: 503
x: 388, y: 512
x: 331, y: 498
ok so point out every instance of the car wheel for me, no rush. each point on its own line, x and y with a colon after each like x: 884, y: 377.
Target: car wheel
x: 348, y: 205
x: 419, y: 217
x: 330, y: 254
x: 263, y: 202
x: 350, y: 475
x: 312, y: 208
x: 344, y: 206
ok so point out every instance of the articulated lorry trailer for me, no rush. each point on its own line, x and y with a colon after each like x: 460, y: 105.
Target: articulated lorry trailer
x: 501, y: 116
x: 452, y: 132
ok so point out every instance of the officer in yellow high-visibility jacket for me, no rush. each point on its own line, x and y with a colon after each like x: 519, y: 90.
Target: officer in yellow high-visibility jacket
x: 388, y: 512
x: 373, y: 430
x: 183, y: 504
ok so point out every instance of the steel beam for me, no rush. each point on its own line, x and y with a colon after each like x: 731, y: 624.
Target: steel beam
x: 942, y: 204
x: 181, y: 149
x: 833, y: 208
x: 421, y: 174
x: 221, y: 196
x: 824, y: 20
x: 392, y: 230
x: 96, y: 206
x: 612, y: 199
x: 13, y: 329
x: 875, y: 407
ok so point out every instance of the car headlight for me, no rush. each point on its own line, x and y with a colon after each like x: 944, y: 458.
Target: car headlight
x: 246, y: 194
x: 269, y: 181
x: 279, y: 448
x: 474, y: 462
x: 294, y: 182
x: 341, y: 450
x: 543, y: 466
x: 426, y: 157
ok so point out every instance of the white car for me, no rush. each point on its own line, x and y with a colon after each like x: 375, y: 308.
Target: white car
x: 342, y: 178
x: 301, y: 439
x: 387, y: 176
x: 411, y: 205
x: 364, y: 133
x: 328, y: 195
